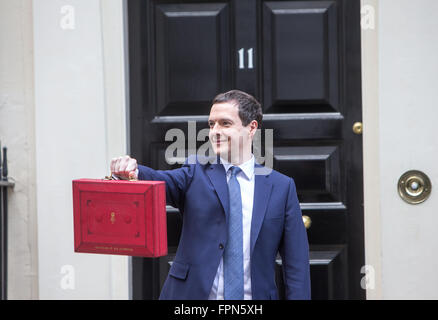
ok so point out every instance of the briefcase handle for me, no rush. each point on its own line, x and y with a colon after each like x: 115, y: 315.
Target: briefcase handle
x: 111, y: 177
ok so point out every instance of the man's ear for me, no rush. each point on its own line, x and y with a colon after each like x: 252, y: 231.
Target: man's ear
x: 253, y: 125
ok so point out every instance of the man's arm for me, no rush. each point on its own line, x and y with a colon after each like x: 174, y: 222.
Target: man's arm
x: 177, y: 180
x: 294, y: 250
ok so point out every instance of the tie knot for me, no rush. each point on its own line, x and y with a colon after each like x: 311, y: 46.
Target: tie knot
x: 235, y: 170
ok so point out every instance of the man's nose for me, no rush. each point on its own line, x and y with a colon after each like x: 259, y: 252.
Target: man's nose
x: 215, y: 129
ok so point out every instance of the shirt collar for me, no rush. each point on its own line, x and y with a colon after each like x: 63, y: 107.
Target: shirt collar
x: 247, y: 167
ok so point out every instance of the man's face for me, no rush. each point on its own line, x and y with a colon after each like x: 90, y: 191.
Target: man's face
x: 227, y: 132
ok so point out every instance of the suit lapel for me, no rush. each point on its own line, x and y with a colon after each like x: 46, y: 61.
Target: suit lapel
x: 262, y: 192
x: 218, y: 178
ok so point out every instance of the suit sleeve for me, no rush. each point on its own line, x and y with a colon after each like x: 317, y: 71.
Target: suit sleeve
x: 294, y: 250
x: 177, y: 181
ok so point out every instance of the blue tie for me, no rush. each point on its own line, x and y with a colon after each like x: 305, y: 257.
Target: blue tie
x: 233, y: 253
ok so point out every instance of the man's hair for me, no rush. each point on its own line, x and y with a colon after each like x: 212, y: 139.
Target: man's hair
x: 249, y: 108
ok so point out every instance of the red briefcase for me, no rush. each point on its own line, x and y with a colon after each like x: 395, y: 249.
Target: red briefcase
x: 120, y: 217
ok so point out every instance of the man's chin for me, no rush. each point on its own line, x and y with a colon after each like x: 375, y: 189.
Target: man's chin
x: 222, y: 152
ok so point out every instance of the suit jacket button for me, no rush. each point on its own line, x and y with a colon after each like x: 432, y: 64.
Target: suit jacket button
x: 221, y: 246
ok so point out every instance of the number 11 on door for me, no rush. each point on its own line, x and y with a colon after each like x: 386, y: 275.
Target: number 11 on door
x: 242, y: 58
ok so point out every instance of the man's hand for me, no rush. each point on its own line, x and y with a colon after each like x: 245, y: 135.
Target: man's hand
x: 124, y: 167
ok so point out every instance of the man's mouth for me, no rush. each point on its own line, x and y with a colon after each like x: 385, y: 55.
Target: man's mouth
x: 219, y: 141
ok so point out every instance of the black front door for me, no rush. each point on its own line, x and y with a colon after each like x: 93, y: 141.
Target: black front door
x: 301, y: 60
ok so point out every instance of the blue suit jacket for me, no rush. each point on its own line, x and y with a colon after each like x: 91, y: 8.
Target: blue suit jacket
x: 200, y: 191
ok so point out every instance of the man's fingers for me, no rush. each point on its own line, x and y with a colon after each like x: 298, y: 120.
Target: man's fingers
x: 117, y: 166
x: 123, y: 164
x: 113, y: 160
x: 113, y: 165
x: 132, y: 165
x: 124, y: 167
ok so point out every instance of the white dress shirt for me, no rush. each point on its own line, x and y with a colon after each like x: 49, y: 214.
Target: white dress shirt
x: 246, y: 181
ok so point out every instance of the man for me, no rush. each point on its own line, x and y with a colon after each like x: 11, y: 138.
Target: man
x: 236, y: 217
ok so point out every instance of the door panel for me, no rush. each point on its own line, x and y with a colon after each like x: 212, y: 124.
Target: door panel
x: 300, y: 56
x: 315, y: 169
x: 326, y: 271
x: 328, y: 224
x: 192, y: 56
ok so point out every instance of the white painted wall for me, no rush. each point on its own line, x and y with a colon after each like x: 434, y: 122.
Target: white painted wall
x: 401, y: 239
x: 79, y: 125
x: 17, y: 132
x: 408, y: 108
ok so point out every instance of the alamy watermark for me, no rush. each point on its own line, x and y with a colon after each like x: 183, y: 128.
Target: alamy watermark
x: 68, y: 18
x: 68, y: 277
x: 368, y: 17
x: 368, y: 281
x: 176, y: 151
